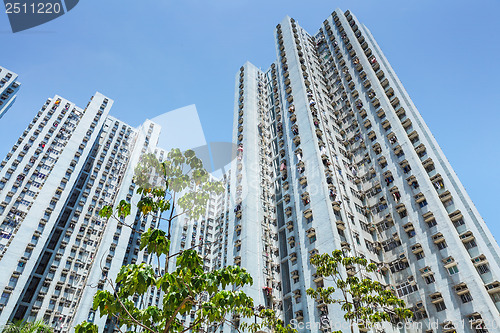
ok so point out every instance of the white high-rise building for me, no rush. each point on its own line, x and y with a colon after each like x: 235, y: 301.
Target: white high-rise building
x: 8, y: 88
x: 55, y: 249
x: 333, y: 154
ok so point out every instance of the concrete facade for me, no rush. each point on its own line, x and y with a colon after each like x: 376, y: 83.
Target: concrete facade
x: 333, y: 154
x: 67, y: 164
x: 8, y: 89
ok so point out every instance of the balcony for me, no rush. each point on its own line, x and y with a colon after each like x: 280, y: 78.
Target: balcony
x: 237, y: 260
x: 340, y: 224
x: 295, y: 274
x: 413, y: 136
x: 493, y: 287
x: 381, y: 113
x: 382, y: 161
x: 336, y: 206
x: 428, y: 217
x: 317, y: 278
x: 389, y: 92
x: 308, y: 213
x: 386, y: 124
x: 479, y: 260
x: 448, y: 262
x: 345, y: 246
x: 303, y: 180
x: 420, y: 150
x: 400, y: 208
x: 467, y: 237
x: 438, y: 238
x: 419, y: 198
x: 289, y: 225
x: 291, y: 240
x: 351, y: 270
x: 288, y: 211
x: 299, y: 315
x: 436, y: 298
x: 456, y: 216
x: 406, y: 123
x: 408, y: 227
x: 395, y: 102
x: 446, y: 196
x: 311, y: 232
x: 417, y: 248
x: 475, y: 319
x: 400, y: 112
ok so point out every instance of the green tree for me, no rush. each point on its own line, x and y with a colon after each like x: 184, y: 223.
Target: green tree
x: 366, y: 303
x: 38, y: 326
x: 215, y: 297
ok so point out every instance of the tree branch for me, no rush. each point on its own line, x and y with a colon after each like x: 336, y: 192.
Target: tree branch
x: 169, y: 322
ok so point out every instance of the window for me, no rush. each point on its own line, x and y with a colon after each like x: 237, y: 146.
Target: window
x: 431, y: 223
x: 429, y: 279
x: 440, y: 306
x: 405, y: 288
x: 422, y: 204
x: 466, y: 298
x: 441, y: 245
x: 458, y: 223
x: 495, y: 297
x: 448, y: 203
x: 4, y: 298
x: 482, y: 269
x: 470, y: 244
x: 312, y: 239
x: 420, y: 255
x: 453, y: 269
x: 397, y: 266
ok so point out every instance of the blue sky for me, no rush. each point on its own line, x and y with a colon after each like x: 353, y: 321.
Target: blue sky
x: 155, y: 56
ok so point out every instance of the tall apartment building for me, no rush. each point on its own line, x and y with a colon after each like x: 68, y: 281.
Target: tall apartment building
x: 8, y: 88
x: 55, y: 250
x: 333, y: 154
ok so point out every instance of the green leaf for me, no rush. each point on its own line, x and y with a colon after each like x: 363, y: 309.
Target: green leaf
x: 106, y: 212
x: 155, y: 241
x: 86, y: 327
x: 123, y: 208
